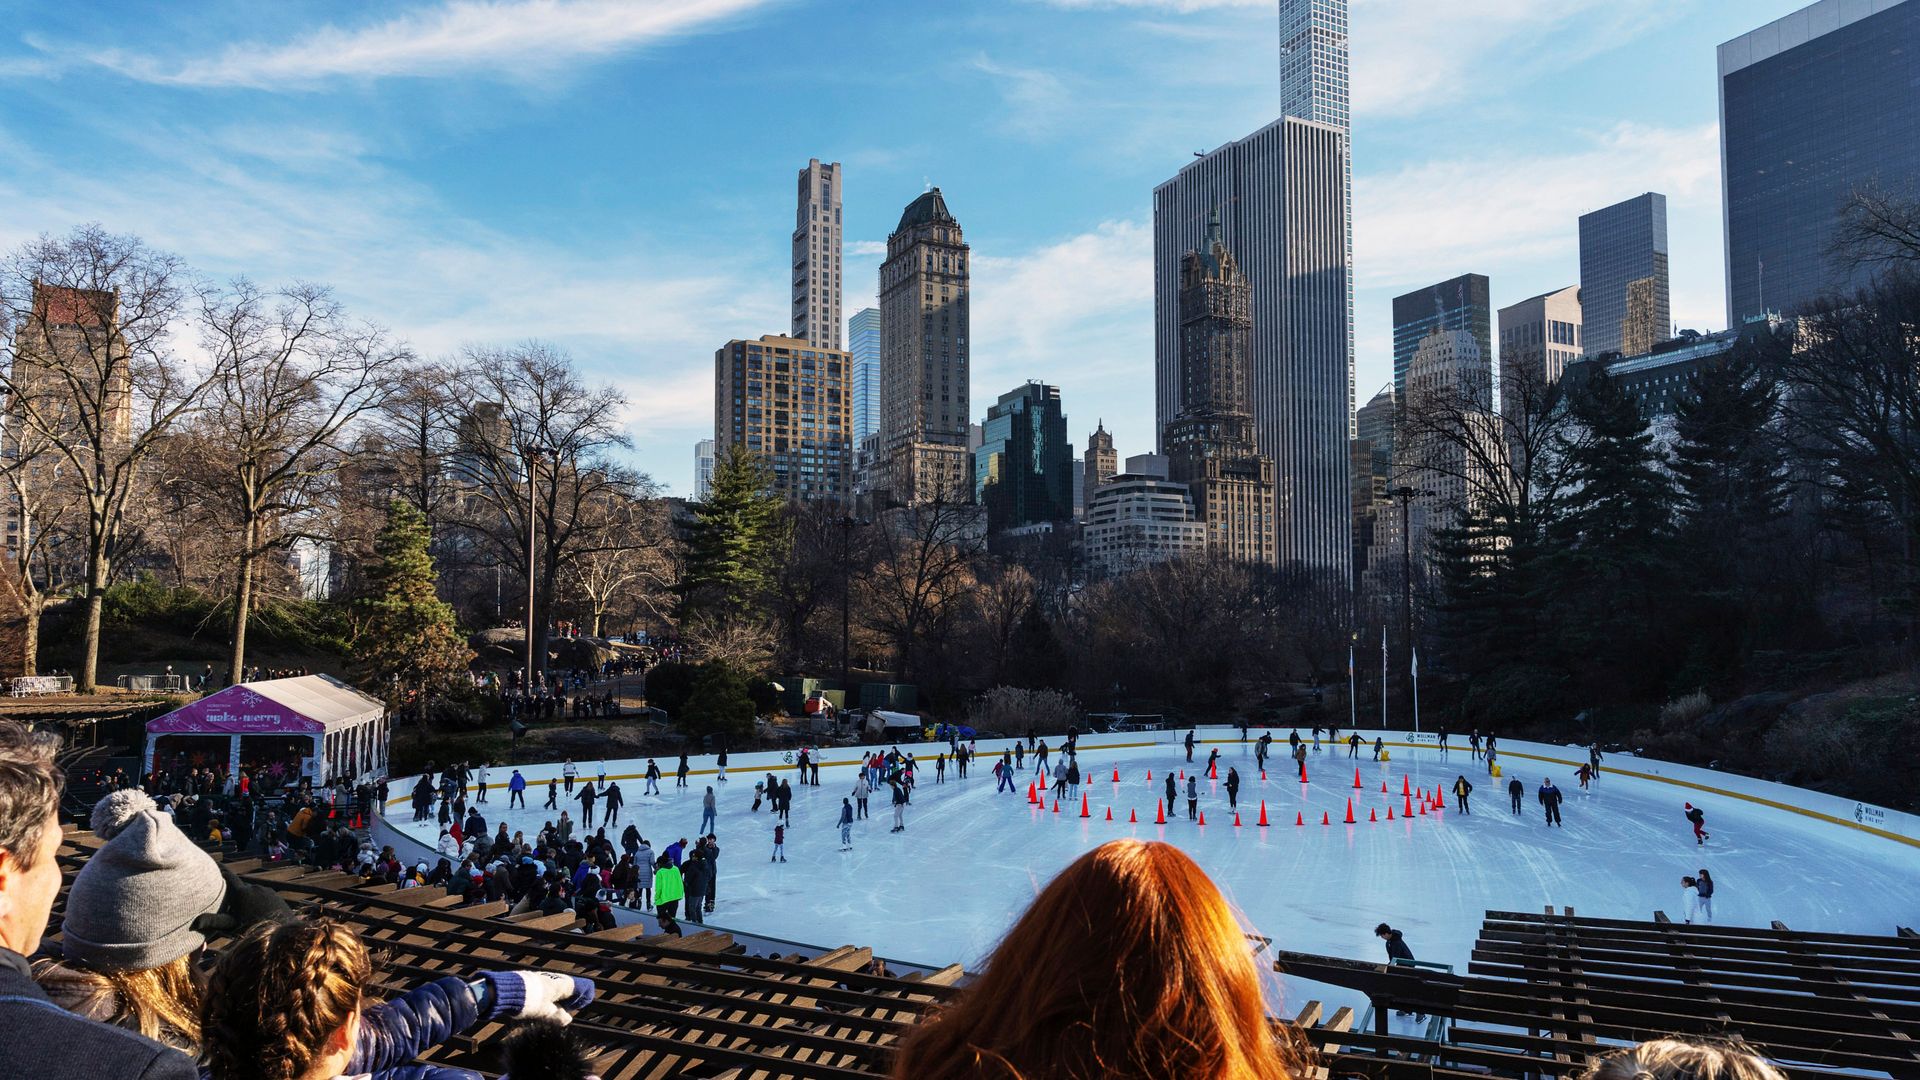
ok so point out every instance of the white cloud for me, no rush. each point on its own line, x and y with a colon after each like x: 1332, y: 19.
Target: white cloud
x: 1412, y: 56
x: 1446, y: 216
x: 509, y: 39
x: 1180, y: 6
x: 866, y: 248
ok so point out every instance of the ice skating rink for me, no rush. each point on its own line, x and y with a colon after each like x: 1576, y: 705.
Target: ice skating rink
x: 970, y: 859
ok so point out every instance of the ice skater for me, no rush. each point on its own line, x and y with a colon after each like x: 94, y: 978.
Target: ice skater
x: 1213, y: 762
x: 1193, y: 798
x: 1516, y: 791
x: 1586, y: 775
x: 899, y: 807
x: 1593, y: 759
x: 653, y: 778
x: 517, y: 791
x: 1020, y: 757
x: 1704, y: 891
x: 1699, y: 819
x: 1379, y: 745
x: 600, y: 771
x: 940, y: 769
x: 1260, y: 751
x: 1473, y: 743
x: 1443, y: 742
x: 586, y: 797
x: 610, y: 803
x: 480, y: 778
x: 846, y: 824
x: 1172, y: 793
x: 707, y: 810
x: 1040, y: 757
x: 779, y: 843
x: 1690, y: 897
x: 1493, y: 757
x: 1190, y: 746
x: 680, y: 775
x: 553, y: 795
x: 1550, y: 799
x: 1462, y: 788
x: 1353, y: 745
x: 1233, y: 788
x: 720, y: 763
x: 570, y: 771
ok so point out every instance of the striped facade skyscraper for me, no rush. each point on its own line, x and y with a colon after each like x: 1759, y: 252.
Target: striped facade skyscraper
x: 816, y: 256
x: 1281, y: 195
x: 1313, y: 86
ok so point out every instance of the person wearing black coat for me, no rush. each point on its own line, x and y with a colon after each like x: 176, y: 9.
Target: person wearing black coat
x: 1516, y: 791
x: 1550, y: 799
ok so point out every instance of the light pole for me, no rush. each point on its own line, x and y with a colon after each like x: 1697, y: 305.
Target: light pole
x: 533, y: 454
x: 848, y: 523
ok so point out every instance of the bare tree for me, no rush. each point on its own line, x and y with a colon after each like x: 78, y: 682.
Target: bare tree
x: 1879, y: 229
x: 923, y: 574
x: 630, y: 561
x: 523, y: 416
x: 94, y: 373
x: 44, y: 503
x: 292, y: 373
x: 1008, y: 593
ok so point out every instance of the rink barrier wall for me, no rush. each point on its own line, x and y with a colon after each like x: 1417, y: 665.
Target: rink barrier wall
x: 1862, y: 817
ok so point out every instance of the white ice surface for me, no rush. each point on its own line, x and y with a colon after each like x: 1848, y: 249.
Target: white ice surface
x: 970, y: 860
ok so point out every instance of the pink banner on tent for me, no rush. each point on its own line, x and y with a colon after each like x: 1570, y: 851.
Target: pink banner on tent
x: 236, y: 710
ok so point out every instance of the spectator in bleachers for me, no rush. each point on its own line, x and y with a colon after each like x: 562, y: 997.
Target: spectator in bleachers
x: 37, y: 1037
x: 285, y: 1003
x: 1680, y: 1059
x: 1129, y: 964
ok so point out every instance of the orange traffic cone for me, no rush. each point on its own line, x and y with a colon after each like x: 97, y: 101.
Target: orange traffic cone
x: 1213, y: 771
x: 1406, y: 785
x: 1374, y: 815
x: 1109, y: 813
x: 1383, y: 787
x: 1407, y: 811
x: 1323, y: 818
x: 1236, y: 819
x: 1056, y: 805
x: 1133, y: 818
x: 1356, y: 779
x: 1203, y: 817
x: 1303, y: 772
x: 1033, y: 793
x: 1149, y: 776
x: 1263, y: 776
x: 1183, y: 774
x: 1389, y: 813
x: 1349, y: 811
x: 1298, y: 820
x: 1159, y: 812
x: 1083, y: 805
x: 1263, y: 813
x: 1423, y: 809
x: 1439, y: 799
x: 1116, y: 774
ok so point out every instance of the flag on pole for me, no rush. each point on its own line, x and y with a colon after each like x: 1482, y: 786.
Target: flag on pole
x: 1416, y: 663
x: 1383, y: 643
x: 1349, y: 659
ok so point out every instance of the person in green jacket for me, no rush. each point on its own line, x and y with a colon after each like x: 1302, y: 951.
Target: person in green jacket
x: 668, y: 888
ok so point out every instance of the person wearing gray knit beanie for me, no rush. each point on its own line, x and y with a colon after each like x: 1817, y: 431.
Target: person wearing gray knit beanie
x: 129, y: 938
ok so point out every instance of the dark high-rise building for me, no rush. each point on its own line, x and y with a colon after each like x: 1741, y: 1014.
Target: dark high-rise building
x: 1023, y: 470
x: 1280, y: 194
x: 1624, y: 307
x: 923, y: 357
x: 1460, y: 303
x: 1211, y: 446
x: 1813, y: 107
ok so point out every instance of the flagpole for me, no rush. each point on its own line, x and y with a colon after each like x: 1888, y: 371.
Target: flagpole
x: 1383, y: 676
x: 1353, y: 702
x: 1416, y: 690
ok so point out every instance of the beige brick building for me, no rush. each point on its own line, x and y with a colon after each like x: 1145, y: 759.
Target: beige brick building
x: 923, y: 357
x: 791, y: 403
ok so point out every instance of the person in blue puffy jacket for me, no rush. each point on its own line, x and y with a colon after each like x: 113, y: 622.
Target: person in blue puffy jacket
x: 285, y: 1003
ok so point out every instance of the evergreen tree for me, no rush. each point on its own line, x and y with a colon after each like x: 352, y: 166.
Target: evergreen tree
x: 410, y: 643
x: 733, y: 537
x: 1730, y: 471
x: 1607, y: 589
x: 720, y: 703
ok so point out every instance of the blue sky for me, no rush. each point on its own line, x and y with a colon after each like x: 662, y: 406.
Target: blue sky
x: 618, y: 177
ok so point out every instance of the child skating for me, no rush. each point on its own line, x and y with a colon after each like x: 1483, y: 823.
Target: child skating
x: 1699, y: 819
x: 779, y: 843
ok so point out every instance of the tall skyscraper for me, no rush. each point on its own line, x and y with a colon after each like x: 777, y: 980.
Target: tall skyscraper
x: 923, y: 356
x: 789, y: 402
x: 1023, y: 470
x: 702, y: 470
x: 1813, y: 107
x: 863, y: 341
x: 1280, y: 194
x: 1460, y: 303
x: 1313, y: 86
x: 1372, y: 466
x: 1623, y: 275
x: 816, y: 256
x: 1101, y: 461
x: 1448, y: 366
x: 1211, y: 446
x: 1539, y: 337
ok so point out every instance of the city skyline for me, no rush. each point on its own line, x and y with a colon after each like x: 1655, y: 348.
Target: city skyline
x: 367, y: 154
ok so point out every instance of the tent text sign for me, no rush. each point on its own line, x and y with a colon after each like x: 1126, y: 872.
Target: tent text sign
x: 236, y: 710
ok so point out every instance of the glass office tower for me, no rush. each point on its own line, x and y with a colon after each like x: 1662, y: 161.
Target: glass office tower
x: 1624, y: 305
x: 1812, y: 107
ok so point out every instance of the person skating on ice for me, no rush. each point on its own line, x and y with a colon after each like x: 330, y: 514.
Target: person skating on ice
x: 1213, y: 762
x: 680, y: 776
x: 708, y: 809
x: 779, y: 843
x: 517, y: 791
x: 940, y: 769
x: 846, y: 824
x: 1293, y: 742
x: 1473, y: 743
x: 1190, y: 746
x: 1443, y: 742
x: 1550, y: 800
x: 1705, y: 892
x: 1378, y: 745
x: 1699, y: 819
x: 1585, y: 774
x: 586, y: 799
x: 1516, y: 791
x: 1233, y: 788
x: 1397, y: 950
x: 1462, y: 788
x: 786, y: 801
x: 653, y: 778
x: 899, y: 807
x: 1172, y: 794
x: 1073, y: 778
x: 1493, y: 757
x: 1040, y: 757
x: 553, y: 795
x: 861, y: 789
x: 720, y: 764
x: 1020, y: 757
x: 1260, y: 750
x: 1193, y: 798
x: 1353, y: 745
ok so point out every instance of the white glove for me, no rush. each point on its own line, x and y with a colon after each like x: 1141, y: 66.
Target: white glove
x: 537, y: 995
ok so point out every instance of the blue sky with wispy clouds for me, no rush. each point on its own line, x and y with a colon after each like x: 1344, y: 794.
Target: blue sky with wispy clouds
x: 617, y: 176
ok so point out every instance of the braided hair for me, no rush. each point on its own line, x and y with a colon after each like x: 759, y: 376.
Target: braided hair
x: 277, y: 995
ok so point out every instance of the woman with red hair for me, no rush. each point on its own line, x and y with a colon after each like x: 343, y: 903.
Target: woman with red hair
x: 1129, y: 964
